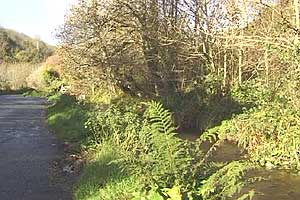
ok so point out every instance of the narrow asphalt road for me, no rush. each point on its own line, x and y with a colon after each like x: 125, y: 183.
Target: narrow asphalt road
x: 28, y: 151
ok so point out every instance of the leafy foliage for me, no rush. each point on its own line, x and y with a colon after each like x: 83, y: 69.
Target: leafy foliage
x: 53, y: 81
x: 117, y: 122
x: 167, y: 166
x: 270, y: 130
x: 155, y: 193
x: 270, y: 134
x: 251, y: 93
x: 147, y: 141
x: 164, y: 158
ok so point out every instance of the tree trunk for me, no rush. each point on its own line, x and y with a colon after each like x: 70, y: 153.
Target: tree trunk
x: 225, y: 70
x: 267, y: 66
x: 297, y: 21
x: 240, y: 66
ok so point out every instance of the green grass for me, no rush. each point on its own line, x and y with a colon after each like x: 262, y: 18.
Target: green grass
x: 103, y: 179
x: 66, y: 118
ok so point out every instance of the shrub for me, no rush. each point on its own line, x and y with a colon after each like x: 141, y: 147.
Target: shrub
x: 120, y: 122
x: 270, y: 130
x: 53, y: 81
x: 48, y: 77
x: 251, y: 93
x: 270, y: 134
x: 147, y: 141
x: 161, y: 157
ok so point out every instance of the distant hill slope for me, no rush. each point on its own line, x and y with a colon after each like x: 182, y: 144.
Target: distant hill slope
x: 18, y: 47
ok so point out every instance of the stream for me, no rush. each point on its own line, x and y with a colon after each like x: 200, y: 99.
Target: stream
x: 276, y: 184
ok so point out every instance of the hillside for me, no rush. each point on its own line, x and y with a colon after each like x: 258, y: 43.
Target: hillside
x: 18, y: 47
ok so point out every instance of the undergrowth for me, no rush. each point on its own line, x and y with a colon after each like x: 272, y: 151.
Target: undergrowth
x: 136, y: 154
x: 133, y: 152
x: 269, y: 131
x: 165, y: 166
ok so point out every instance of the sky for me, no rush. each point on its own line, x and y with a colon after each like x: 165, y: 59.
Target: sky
x: 35, y: 18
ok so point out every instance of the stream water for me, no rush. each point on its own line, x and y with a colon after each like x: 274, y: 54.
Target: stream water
x: 276, y: 184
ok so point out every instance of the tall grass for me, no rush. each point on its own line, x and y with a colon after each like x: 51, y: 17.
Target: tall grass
x: 13, y: 76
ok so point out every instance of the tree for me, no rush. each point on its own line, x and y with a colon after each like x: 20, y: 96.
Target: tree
x: 168, y: 47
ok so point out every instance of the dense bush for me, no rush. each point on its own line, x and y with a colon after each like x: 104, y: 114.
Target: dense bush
x: 161, y: 157
x: 270, y: 134
x: 146, y: 139
x: 148, y: 148
x: 251, y: 93
x: 115, y: 122
x: 48, y: 77
x: 53, y: 81
x: 270, y: 130
x: 202, y: 105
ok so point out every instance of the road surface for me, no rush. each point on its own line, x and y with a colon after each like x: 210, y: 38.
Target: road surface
x: 28, y: 152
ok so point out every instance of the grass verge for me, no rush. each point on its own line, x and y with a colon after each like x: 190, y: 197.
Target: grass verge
x: 100, y: 178
x: 103, y: 179
x: 66, y: 118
